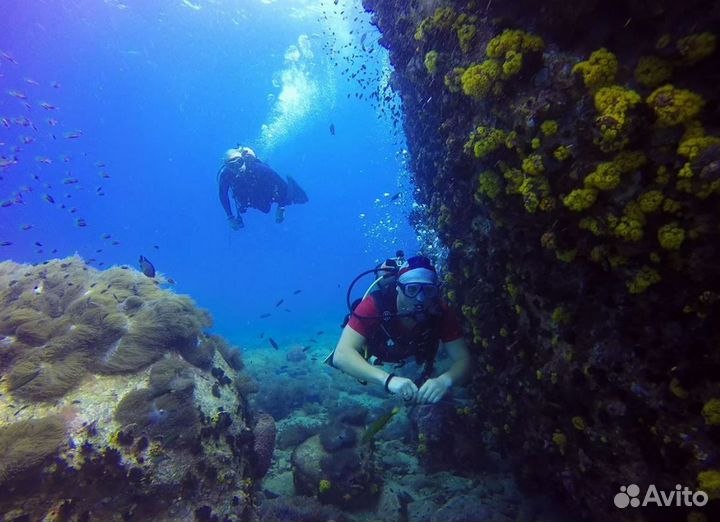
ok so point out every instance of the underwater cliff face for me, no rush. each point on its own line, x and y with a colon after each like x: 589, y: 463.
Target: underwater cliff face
x: 116, y: 405
x: 568, y: 157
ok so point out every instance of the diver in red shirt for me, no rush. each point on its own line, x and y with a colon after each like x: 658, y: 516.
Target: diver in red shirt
x: 404, y: 317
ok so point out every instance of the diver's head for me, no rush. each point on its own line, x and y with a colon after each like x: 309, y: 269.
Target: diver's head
x: 239, y: 153
x: 417, y: 286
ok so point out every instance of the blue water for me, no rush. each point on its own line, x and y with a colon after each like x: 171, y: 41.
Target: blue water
x: 159, y: 90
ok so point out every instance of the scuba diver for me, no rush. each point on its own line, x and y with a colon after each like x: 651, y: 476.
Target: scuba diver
x: 254, y: 185
x: 402, y: 315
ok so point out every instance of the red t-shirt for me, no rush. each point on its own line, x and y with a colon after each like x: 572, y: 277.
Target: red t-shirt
x: 450, y: 328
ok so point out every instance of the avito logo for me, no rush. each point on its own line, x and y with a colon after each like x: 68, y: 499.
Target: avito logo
x: 680, y: 496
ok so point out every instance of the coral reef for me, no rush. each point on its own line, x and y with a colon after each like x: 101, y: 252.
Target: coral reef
x: 610, y: 214
x: 263, y: 444
x: 109, y: 410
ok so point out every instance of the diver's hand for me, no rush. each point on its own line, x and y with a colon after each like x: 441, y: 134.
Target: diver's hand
x: 236, y: 223
x: 403, y: 387
x: 433, y: 390
x: 280, y: 215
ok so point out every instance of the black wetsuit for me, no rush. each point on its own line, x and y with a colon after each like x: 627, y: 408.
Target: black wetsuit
x: 256, y: 186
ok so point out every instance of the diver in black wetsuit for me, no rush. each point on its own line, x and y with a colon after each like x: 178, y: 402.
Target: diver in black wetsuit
x: 254, y: 185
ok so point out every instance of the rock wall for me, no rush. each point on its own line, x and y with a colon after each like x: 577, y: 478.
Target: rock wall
x: 567, y: 156
x: 115, y: 404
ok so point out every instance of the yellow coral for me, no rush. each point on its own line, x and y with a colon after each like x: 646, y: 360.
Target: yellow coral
x: 591, y: 224
x: 580, y: 199
x: 535, y: 143
x: 691, y: 148
x: 629, y: 161
x: 629, y: 229
x: 560, y: 441
x: 466, y: 36
x: 677, y: 389
x: 686, y: 172
x: 696, y: 47
x: 513, y: 40
x: 533, y: 165
x: 579, y: 423
x: 324, y: 485
x: 512, y: 64
x: 651, y: 71
x: 488, y: 185
x: 606, y: 176
x: 671, y: 236
x: 549, y: 127
x: 566, y: 256
x: 562, y: 153
x: 711, y: 412
x: 453, y: 80
x: 709, y: 482
x: 477, y: 80
x: 613, y: 104
x: 643, y: 279
x: 650, y: 201
x: 663, y: 175
x: 600, y: 69
x: 442, y: 19
x: 673, y: 106
x: 560, y: 315
x: 431, y: 59
x: 484, y: 140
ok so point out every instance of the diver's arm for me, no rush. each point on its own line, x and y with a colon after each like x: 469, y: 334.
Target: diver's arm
x: 348, y: 359
x: 435, y: 389
x: 462, y: 362
x: 226, y: 177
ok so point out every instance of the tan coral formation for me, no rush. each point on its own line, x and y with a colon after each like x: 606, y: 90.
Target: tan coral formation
x: 110, y: 388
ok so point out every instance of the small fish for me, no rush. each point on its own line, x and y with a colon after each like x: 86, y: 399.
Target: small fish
x: 72, y: 135
x: 52, y: 122
x: 80, y: 222
x: 70, y: 181
x: 8, y: 57
x: 274, y: 344
x: 30, y: 81
x: 115, y: 243
x: 48, y: 198
x: 320, y: 332
x: 286, y: 309
x: 6, y: 203
x: 396, y: 196
x: 48, y: 106
x: 100, y: 164
x: 306, y: 348
x: 5, y: 243
x: 106, y: 236
x: 25, y: 226
x: 264, y: 316
x: 332, y: 129
x: 296, y: 292
x: 156, y: 247
x: 281, y: 301
x: 18, y: 95
x: 38, y: 243
x: 147, y: 267
x: 42, y: 159
x: 313, y: 341
x: 55, y: 85
x: 171, y: 281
